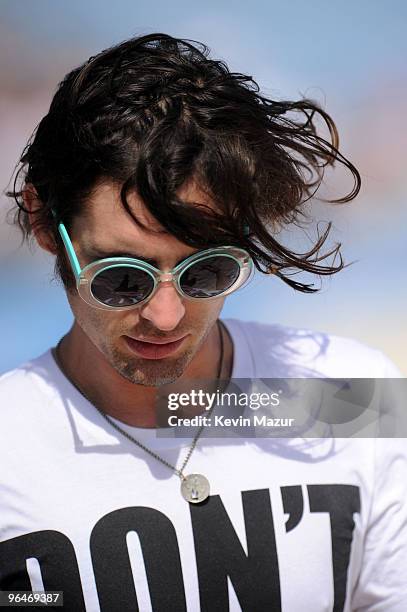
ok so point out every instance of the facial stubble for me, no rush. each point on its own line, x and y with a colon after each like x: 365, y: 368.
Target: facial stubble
x: 150, y: 372
x: 146, y: 372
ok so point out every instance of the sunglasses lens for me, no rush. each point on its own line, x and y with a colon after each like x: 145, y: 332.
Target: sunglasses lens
x: 210, y: 277
x: 122, y: 286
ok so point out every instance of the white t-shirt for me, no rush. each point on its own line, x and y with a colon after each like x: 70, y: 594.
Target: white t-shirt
x: 298, y: 525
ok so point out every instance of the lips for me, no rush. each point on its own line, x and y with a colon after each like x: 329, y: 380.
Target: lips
x: 158, y: 340
x: 153, y: 350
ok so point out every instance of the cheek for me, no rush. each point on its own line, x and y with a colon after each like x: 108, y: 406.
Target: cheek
x: 96, y: 322
x: 204, y: 312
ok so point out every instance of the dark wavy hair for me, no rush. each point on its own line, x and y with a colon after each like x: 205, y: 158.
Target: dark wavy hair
x: 155, y: 111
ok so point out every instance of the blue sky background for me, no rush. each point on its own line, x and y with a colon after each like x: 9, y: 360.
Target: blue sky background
x: 349, y: 56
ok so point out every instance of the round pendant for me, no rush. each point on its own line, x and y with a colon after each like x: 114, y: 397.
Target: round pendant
x: 195, y: 488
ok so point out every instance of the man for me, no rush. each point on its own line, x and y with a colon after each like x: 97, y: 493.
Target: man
x: 160, y: 180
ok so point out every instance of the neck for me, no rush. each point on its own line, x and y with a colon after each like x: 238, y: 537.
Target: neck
x: 118, y: 397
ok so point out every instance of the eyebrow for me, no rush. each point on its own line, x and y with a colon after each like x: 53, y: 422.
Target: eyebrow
x: 94, y: 253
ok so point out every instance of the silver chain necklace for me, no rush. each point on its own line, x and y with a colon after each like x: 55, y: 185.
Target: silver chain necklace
x: 194, y: 487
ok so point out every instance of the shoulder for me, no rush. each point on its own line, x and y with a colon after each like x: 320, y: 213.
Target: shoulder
x: 26, y: 370
x: 26, y: 386
x: 284, y: 351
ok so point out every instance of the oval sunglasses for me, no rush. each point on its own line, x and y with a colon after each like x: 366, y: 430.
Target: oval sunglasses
x: 119, y: 283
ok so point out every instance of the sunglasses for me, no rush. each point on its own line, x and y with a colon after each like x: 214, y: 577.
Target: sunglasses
x: 120, y: 283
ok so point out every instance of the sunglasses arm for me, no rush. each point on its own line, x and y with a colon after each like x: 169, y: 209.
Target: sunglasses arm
x: 76, y: 267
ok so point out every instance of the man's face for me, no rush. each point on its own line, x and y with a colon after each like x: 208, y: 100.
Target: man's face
x: 105, y: 227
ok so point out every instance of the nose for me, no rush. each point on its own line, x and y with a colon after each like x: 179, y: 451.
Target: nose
x: 165, y: 309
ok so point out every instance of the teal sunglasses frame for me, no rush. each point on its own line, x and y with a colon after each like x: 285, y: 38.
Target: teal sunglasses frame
x: 85, y: 276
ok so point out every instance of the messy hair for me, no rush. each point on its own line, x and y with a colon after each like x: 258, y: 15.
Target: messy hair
x: 155, y: 111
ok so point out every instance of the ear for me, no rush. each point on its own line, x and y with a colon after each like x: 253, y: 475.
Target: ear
x: 32, y: 203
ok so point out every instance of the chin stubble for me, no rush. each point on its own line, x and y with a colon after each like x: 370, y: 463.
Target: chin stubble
x: 149, y: 372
